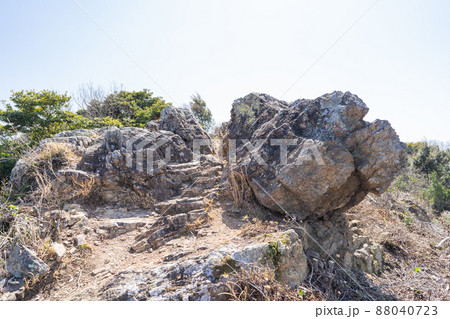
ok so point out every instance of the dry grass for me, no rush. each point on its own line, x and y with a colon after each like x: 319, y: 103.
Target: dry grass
x: 259, y: 284
x: 21, y: 215
x: 23, y: 227
x: 198, y: 223
x: 255, y: 227
x: 408, y: 232
x: 238, y: 187
x: 49, y: 190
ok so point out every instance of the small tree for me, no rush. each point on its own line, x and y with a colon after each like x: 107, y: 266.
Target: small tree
x: 37, y: 114
x: 440, y: 194
x: 425, y: 162
x: 201, y: 112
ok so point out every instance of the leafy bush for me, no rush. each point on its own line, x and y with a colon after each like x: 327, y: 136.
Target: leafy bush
x: 435, y: 165
x: 37, y: 114
x: 440, y: 195
x: 414, y: 148
x: 130, y: 108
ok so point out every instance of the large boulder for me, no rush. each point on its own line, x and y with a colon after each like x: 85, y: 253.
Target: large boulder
x: 311, y: 157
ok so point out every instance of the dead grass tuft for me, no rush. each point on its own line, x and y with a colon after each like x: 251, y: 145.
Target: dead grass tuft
x: 259, y: 284
x: 239, y: 187
x: 255, y: 227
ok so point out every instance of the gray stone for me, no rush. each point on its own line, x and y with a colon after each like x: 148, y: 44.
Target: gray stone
x: 23, y: 262
x: 8, y: 297
x: 182, y: 122
x: 59, y: 251
x: 80, y: 240
x: 336, y: 160
x: 2, y: 282
x: 369, y: 259
x: 152, y: 126
x: 117, y: 227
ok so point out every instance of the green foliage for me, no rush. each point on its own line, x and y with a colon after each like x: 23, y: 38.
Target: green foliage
x: 130, y: 108
x: 10, y: 150
x: 440, y: 195
x: 413, y: 148
x: 425, y: 162
x: 428, y: 176
x: 407, y: 219
x: 201, y: 112
x: 435, y: 165
x: 33, y: 116
x: 38, y: 114
x: 404, y: 183
x: 73, y: 121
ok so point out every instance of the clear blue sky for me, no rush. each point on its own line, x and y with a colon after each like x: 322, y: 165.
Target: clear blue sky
x: 396, y: 57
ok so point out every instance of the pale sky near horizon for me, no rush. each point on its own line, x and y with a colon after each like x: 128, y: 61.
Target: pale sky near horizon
x: 396, y: 57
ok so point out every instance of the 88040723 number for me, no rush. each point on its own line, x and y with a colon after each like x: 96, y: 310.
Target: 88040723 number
x: 406, y: 310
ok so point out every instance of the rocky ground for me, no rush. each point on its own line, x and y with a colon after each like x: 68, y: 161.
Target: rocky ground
x: 104, y: 215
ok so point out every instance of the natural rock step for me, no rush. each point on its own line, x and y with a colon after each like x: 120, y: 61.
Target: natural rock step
x: 182, y: 166
x: 180, y: 205
x: 208, y: 172
x: 207, y: 182
x: 180, y: 176
x: 167, y: 228
x: 116, y: 227
x: 201, y: 186
x: 200, y: 190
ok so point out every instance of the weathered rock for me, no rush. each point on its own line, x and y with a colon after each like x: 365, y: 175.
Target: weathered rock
x: 80, y: 240
x: 201, y: 277
x: 76, y: 141
x: 284, y: 253
x: 167, y: 228
x: 2, y: 283
x: 117, y: 227
x: 152, y: 126
x: 369, y: 259
x: 182, y: 122
x: 73, y: 216
x: 23, y: 263
x: 131, y: 164
x: 332, y: 157
x: 59, y: 251
x: 135, y: 166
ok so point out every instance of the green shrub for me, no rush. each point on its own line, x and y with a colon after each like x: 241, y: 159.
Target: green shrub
x: 130, y: 108
x: 413, y: 148
x: 439, y: 194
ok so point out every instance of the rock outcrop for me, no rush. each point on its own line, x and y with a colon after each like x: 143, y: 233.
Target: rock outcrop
x: 135, y: 166
x: 201, y: 278
x: 312, y: 157
x: 151, y: 190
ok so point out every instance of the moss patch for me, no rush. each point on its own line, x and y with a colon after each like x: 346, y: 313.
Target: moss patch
x: 225, y: 267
